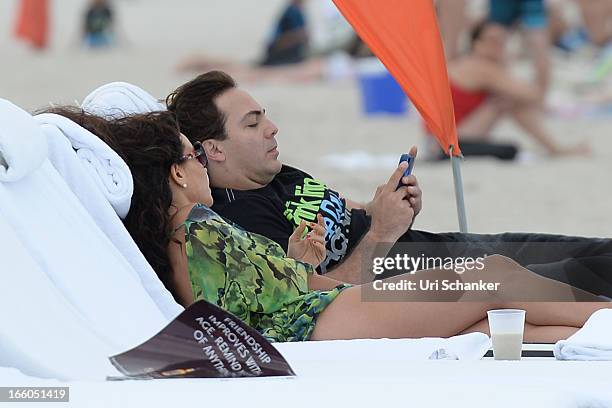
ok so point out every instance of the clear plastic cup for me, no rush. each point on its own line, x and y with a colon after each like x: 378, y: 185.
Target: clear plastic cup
x: 507, y: 327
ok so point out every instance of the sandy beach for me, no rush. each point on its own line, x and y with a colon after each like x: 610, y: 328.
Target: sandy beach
x: 316, y: 120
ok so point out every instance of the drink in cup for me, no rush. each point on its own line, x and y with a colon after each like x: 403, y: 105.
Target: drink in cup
x: 506, y: 327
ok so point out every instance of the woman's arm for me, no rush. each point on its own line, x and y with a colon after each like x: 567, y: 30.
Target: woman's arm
x: 180, y: 270
x: 320, y: 282
x: 499, y: 81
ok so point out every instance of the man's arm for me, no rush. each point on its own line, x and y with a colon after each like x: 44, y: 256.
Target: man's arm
x: 351, y: 269
x: 391, y: 214
x: 415, y: 194
x: 354, y: 204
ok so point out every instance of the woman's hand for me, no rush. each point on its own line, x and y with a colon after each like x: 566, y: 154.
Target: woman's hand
x: 311, y: 248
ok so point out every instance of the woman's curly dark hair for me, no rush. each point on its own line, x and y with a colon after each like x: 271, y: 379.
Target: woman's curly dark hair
x: 150, y: 144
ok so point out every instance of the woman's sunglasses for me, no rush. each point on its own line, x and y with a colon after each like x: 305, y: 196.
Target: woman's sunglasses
x: 198, y: 153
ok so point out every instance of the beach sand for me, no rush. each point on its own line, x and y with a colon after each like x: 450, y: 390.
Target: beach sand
x: 565, y: 196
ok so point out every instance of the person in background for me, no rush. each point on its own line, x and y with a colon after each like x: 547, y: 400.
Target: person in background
x: 484, y: 92
x: 595, y: 30
x: 98, y: 24
x: 595, y: 27
x: 453, y: 21
x: 562, y: 35
x: 532, y: 16
x: 286, y: 53
x: 290, y: 38
x: 597, y: 19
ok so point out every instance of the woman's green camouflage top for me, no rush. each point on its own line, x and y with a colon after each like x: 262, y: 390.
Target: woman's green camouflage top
x: 250, y: 276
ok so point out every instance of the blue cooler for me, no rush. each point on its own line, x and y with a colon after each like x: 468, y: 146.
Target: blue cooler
x: 380, y: 93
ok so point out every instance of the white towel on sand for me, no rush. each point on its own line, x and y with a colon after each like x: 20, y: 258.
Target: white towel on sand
x: 106, y: 169
x: 22, y: 146
x: 119, y: 99
x: 592, y: 342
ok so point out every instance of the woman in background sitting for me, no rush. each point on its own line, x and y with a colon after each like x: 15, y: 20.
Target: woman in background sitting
x: 484, y: 92
x: 198, y: 255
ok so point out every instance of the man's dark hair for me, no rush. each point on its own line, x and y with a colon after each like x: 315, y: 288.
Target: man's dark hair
x: 194, y: 105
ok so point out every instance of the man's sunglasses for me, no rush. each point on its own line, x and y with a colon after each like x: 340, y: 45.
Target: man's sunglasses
x: 198, y: 153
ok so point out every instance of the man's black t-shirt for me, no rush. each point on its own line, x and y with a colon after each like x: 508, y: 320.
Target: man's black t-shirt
x: 277, y: 209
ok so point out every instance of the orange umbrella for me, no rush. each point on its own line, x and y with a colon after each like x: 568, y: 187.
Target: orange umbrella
x: 404, y: 35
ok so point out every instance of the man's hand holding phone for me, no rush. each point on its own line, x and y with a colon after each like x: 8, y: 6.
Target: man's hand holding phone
x: 406, y: 188
x: 410, y: 182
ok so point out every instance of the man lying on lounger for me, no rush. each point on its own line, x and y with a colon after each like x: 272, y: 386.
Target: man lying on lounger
x: 252, y: 188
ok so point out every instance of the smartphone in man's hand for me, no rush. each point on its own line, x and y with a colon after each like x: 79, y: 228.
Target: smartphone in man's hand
x: 406, y: 158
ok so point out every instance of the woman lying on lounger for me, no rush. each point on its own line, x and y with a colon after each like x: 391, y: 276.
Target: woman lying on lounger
x: 198, y: 255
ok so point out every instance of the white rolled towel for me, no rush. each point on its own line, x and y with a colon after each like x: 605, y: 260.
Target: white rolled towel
x: 23, y: 148
x: 71, y: 168
x: 108, y: 170
x: 119, y: 99
x: 592, y: 342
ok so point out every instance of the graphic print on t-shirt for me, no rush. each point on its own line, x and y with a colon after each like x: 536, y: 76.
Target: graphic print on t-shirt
x: 314, y: 197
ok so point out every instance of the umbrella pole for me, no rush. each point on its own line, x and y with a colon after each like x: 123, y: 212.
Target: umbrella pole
x: 458, y: 181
